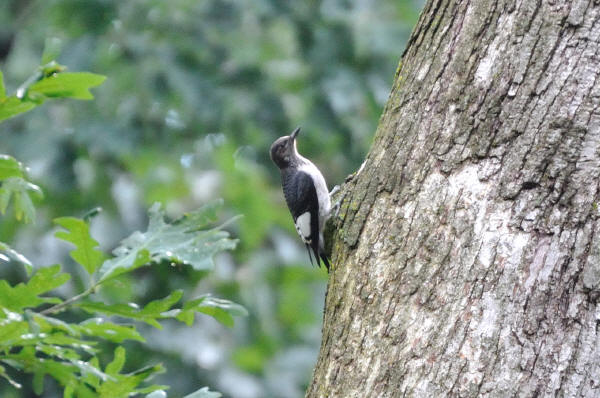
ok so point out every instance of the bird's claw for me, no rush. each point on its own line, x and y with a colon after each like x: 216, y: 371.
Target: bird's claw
x: 335, y: 190
x: 336, y: 208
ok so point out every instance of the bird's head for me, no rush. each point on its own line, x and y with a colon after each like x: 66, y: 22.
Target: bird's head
x: 283, y: 150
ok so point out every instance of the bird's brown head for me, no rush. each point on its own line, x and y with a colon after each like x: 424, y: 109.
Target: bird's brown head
x: 283, y: 150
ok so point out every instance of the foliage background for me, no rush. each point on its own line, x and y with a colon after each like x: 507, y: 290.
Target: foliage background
x: 196, y: 93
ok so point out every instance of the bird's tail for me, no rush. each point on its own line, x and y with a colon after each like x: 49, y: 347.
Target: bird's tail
x: 310, y: 256
x: 325, y: 261
x: 319, y: 255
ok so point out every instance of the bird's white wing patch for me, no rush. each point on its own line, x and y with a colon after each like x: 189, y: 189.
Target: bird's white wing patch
x: 303, y: 226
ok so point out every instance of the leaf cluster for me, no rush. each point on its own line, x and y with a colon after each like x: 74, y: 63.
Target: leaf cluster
x: 35, y: 338
x: 49, y: 81
x: 15, y: 187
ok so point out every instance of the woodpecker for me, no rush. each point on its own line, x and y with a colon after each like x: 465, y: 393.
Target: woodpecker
x: 305, y: 193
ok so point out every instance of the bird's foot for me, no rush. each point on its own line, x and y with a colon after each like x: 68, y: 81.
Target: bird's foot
x: 335, y: 190
x: 336, y: 208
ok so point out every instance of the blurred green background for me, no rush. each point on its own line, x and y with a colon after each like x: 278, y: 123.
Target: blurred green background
x: 197, y: 90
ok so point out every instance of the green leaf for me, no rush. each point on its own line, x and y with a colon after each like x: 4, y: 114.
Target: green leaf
x: 131, y: 311
x: 71, y: 85
x: 91, y: 379
x: 7, y: 253
x: 22, y: 191
x: 204, y: 393
x: 11, y: 330
x: 181, y: 241
x: 150, y: 313
x: 24, y: 208
x: 220, y: 309
x: 78, y: 233
x: 10, y: 167
x: 53, y: 350
x: 220, y: 315
x: 78, y: 344
x: 46, y: 279
x: 18, y: 297
x: 125, y: 263
x: 124, y: 384
x: 109, y: 331
x: 68, y: 393
x: 38, y: 382
x: 65, y: 372
x: 157, y: 307
x: 88, y: 368
x: 13, y: 106
x: 48, y: 324
x: 48, y: 81
x: 117, y: 363
x: 13, y: 184
x: 27, y: 295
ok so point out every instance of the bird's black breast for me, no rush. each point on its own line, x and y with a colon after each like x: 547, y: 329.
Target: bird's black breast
x: 300, y: 192
x: 301, y: 196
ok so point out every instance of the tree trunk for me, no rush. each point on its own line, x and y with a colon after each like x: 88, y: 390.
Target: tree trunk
x: 467, y: 249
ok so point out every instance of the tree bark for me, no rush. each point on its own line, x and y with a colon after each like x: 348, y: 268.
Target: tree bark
x: 466, y: 249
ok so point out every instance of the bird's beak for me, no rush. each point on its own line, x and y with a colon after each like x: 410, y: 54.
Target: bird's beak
x: 295, y: 133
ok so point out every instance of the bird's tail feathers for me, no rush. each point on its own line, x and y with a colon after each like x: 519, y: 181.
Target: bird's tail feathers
x: 310, y: 256
x: 319, y: 255
x: 322, y: 254
x: 325, y: 261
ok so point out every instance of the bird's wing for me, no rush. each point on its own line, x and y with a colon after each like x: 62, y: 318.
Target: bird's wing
x: 301, y: 197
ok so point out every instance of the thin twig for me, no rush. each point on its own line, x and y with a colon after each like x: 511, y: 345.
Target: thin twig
x: 58, y: 307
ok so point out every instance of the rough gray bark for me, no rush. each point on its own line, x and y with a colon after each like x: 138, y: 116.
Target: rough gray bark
x: 467, y: 248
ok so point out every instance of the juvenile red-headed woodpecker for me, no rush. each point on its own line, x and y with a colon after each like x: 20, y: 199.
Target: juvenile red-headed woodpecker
x: 305, y: 193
